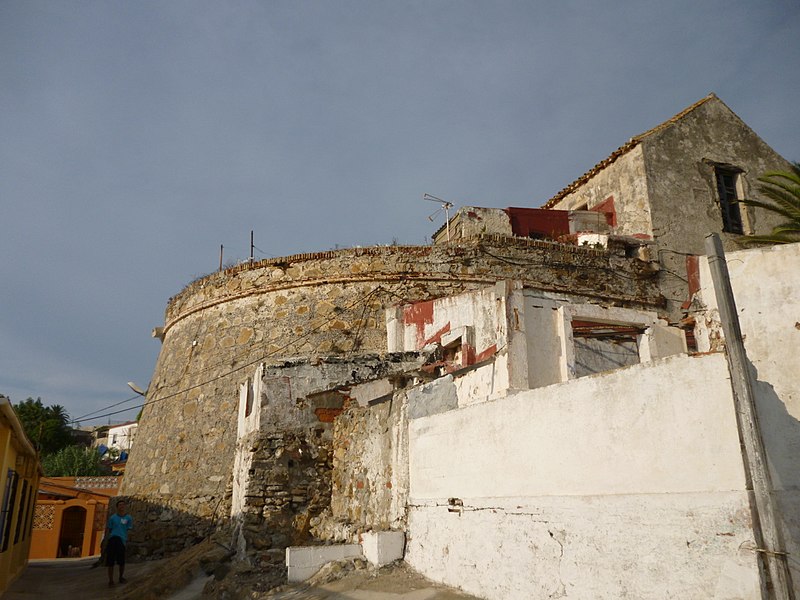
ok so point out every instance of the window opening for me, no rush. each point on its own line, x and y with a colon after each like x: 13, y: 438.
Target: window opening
x: 248, y: 408
x: 23, y: 507
x: 729, y: 200
x: 601, y: 347
x: 8, y: 507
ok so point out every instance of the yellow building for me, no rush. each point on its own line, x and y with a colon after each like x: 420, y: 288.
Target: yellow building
x: 70, y: 515
x: 19, y: 482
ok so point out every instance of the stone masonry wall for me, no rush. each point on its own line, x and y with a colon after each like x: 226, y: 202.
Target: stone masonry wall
x: 369, y: 488
x: 288, y: 483
x: 326, y: 304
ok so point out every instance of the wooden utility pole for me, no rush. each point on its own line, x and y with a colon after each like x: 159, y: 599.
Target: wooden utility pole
x: 766, y: 529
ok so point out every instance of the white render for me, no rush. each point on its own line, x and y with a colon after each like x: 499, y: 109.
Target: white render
x: 120, y: 437
x: 383, y: 547
x: 607, y: 486
x: 766, y: 287
x: 304, y: 561
x: 247, y: 435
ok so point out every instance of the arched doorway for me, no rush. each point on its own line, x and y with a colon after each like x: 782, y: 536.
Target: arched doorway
x: 70, y: 540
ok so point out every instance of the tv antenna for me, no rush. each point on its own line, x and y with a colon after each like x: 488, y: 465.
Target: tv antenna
x: 445, y: 206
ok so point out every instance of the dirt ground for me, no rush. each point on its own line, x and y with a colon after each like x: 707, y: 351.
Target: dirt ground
x: 72, y: 579
x: 180, y: 578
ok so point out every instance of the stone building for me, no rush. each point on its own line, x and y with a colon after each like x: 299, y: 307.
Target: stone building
x: 283, y: 402
x: 312, y: 307
x: 668, y: 187
x: 678, y: 182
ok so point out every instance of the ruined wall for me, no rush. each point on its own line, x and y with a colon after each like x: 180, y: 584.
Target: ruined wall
x: 545, y: 493
x: 370, y: 470
x: 286, y: 475
x: 331, y: 303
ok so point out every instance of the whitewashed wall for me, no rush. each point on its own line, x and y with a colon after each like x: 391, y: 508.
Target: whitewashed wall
x: 766, y: 286
x: 626, y: 484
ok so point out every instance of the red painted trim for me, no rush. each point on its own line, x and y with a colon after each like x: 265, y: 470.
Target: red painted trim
x: 327, y: 415
x: 693, y: 278
x: 485, y: 354
x: 419, y: 314
x: 538, y: 222
x: 436, y: 338
x: 607, y: 207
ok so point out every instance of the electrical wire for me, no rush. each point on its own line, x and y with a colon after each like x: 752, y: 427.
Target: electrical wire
x: 236, y: 369
x: 89, y: 415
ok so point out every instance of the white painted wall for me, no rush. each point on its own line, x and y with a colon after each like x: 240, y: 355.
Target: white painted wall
x: 476, y: 310
x: 121, y: 436
x: 246, y: 441
x: 766, y: 287
x: 559, y: 483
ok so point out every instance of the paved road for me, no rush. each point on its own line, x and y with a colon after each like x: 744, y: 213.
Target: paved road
x: 71, y: 579
x: 75, y: 579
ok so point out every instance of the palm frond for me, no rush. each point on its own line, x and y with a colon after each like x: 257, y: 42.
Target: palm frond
x: 782, y: 192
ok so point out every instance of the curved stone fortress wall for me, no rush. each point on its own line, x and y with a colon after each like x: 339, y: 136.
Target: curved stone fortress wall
x: 219, y: 328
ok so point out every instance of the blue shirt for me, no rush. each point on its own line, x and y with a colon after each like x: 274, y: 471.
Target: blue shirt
x: 119, y: 526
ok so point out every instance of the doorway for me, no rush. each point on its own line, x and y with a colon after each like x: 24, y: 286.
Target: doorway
x: 70, y: 541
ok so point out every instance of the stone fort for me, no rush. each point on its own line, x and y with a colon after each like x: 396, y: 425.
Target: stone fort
x: 279, y: 406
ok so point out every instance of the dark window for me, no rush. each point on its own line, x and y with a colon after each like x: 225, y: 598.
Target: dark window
x: 8, y: 507
x: 248, y: 407
x: 23, y: 509
x: 728, y: 201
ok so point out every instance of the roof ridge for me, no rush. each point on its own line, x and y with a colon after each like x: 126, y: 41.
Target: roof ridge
x: 624, y: 149
x: 675, y: 118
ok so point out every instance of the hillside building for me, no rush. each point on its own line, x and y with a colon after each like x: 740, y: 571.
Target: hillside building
x: 529, y: 374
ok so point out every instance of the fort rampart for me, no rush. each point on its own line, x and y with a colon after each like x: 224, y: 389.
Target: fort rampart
x: 219, y: 328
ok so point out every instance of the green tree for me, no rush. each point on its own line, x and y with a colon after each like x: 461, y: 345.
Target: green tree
x: 73, y: 461
x: 782, y: 189
x: 45, y: 426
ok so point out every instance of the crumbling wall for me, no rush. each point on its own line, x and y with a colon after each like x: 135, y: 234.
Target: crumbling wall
x: 291, y: 456
x: 325, y: 304
x: 370, y: 470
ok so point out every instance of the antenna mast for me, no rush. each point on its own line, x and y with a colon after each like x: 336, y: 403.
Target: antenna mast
x: 446, y: 206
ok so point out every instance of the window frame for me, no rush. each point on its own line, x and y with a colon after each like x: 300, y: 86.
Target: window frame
x: 733, y: 217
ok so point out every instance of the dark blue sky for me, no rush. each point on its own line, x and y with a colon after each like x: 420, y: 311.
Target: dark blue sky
x: 136, y: 137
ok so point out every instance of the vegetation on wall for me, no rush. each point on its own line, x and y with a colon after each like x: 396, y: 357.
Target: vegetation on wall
x: 782, y: 189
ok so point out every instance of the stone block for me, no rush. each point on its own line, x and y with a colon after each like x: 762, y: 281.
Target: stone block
x: 303, y: 561
x: 432, y: 398
x: 383, y: 547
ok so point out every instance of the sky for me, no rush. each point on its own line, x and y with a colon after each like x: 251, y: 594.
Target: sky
x: 138, y: 137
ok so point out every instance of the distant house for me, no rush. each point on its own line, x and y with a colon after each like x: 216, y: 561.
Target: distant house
x: 120, y: 437
x: 19, y: 479
x: 70, y: 515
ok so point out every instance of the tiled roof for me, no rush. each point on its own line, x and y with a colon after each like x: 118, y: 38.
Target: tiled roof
x: 624, y: 149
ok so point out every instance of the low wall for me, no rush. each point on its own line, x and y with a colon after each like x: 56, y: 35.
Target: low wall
x: 546, y: 493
